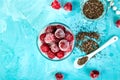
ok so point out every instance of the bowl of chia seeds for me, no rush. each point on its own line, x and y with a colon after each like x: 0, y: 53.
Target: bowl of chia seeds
x: 93, y: 9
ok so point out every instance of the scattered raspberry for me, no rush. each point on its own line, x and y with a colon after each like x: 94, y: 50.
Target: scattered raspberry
x: 50, y: 29
x: 44, y: 47
x: 69, y: 36
x: 60, y: 54
x: 49, y: 38
x: 61, y: 27
x: 42, y: 36
x: 94, y: 74
x: 64, y: 45
x: 55, y: 4
x: 50, y: 54
x: 54, y: 48
x: 68, y: 6
x: 59, y: 76
x: 59, y: 33
x: 118, y: 23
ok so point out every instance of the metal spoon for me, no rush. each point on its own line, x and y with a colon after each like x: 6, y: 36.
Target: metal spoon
x: 89, y: 56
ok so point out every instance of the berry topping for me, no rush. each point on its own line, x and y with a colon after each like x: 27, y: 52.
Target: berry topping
x: 60, y: 54
x: 69, y: 36
x: 54, y: 48
x: 50, y: 54
x: 42, y: 36
x: 50, y: 29
x: 61, y: 27
x: 118, y: 23
x: 68, y: 6
x: 59, y: 76
x: 55, y: 4
x: 44, y: 47
x: 70, y: 49
x: 49, y: 38
x: 59, y: 33
x: 94, y: 74
x: 57, y: 40
x: 64, y: 45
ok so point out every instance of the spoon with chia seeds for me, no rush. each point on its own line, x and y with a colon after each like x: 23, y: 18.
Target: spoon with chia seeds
x: 81, y: 61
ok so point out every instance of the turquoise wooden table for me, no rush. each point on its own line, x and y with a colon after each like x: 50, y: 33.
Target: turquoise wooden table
x: 22, y: 20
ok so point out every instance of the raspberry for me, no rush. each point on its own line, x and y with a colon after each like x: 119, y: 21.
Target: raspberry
x: 94, y: 74
x: 44, y: 47
x: 61, y: 27
x: 70, y: 49
x: 57, y: 40
x: 68, y: 6
x: 55, y: 4
x: 59, y: 76
x: 49, y: 38
x: 69, y: 36
x: 54, y: 48
x: 42, y: 36
x: 59, y: 33
x: 50, y: 54
x: 60, y: 54
x: 64, y: 45
x: 118, y: 23
x: 50, y: 29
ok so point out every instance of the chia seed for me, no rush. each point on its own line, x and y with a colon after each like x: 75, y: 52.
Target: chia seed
x: 81, y: 61
x: 93, y: 9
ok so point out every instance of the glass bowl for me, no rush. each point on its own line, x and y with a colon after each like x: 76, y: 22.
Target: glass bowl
x: 105, y: 9
x: 51, y: 38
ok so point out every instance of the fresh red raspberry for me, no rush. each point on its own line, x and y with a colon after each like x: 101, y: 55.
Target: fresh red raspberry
x: 60, y: 54
x: 69, y: 36
x: 118, y: 23
x: 59, y: 76
x: 42, y: 36
x: 59, y: 33
x: 68, y: 6
x: 54, y: 48
x: 94, y: 74
x: 49, y: 38
x: 50, y: 54
x: 55, y: 4
x: 44, y: 47
x: 64, y: 45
